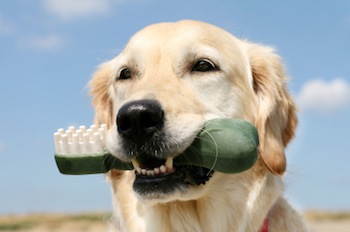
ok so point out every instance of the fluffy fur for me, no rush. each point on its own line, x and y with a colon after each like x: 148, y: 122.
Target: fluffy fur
x: 249, y: 82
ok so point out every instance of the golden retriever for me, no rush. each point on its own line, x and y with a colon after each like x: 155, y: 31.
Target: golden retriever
x: 156, y: 96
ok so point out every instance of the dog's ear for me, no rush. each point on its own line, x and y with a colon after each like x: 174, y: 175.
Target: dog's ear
x: 101, y: 99
x: 276, y: 118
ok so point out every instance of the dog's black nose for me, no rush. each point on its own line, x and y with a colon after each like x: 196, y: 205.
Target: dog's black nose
x: 139, y: 120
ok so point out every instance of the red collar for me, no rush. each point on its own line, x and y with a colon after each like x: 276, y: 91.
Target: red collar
x: 265, y: 226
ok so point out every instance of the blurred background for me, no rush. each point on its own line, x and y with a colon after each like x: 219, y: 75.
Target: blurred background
x: 50, y: 48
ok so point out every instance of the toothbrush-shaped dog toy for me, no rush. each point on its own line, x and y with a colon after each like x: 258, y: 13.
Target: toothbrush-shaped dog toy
x: 224, y: 145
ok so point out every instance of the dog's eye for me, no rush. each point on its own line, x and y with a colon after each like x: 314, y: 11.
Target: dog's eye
x: 203, y: 66
x: 125, y: 74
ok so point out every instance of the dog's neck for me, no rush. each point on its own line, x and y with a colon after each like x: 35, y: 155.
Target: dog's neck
x: 218, y: 210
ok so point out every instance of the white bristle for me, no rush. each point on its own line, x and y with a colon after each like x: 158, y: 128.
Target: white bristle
x: 83, y: 129
x: 64, y: 144
x: 72, y: 128
x: 103, y: 127
x: 102, y: 133
x: 69, y: 133
x: 57, y: 138
x: 80, y: 141
x: 97, y: 146
x: 75, y: 149
x: 86, y: 143
x: 60, y: 131
x: 94, y: 128
x: 90, y: 132
x: 80, y: 134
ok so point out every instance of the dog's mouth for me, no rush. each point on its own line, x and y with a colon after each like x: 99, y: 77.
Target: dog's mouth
x: 161, y: 176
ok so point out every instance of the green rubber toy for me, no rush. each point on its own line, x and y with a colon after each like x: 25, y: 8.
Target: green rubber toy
x: 223, y: 145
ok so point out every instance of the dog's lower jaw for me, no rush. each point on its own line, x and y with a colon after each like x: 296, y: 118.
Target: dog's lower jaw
x: 212, y: 209
x: 171, y: 186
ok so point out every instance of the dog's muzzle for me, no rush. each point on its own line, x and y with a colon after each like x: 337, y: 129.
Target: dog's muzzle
x: 144, y: 140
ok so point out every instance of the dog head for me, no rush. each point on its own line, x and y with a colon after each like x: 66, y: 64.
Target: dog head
x: 170, y: 79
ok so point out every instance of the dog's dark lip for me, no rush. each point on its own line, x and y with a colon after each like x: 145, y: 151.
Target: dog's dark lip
x: 179, y: 179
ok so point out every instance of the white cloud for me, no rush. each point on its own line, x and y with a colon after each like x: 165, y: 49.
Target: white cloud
x: 68, y: 9
x: 319, y: 95
x: 43, y: 43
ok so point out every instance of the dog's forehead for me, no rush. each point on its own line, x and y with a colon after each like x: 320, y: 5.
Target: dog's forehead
x: 183, y: 33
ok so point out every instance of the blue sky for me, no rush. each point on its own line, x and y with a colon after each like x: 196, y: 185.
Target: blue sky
x: 50, y: 48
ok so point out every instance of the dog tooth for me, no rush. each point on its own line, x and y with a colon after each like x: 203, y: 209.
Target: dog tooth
x: 150, y: 173
x: 143, y: 171
x: 156, y: 170
x: 138, y: 170
x: 163, y: 169
x: 169, y: 163
x: 135, y: 163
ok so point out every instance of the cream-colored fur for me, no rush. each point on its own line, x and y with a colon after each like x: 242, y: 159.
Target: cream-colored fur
x: 249, y: 83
